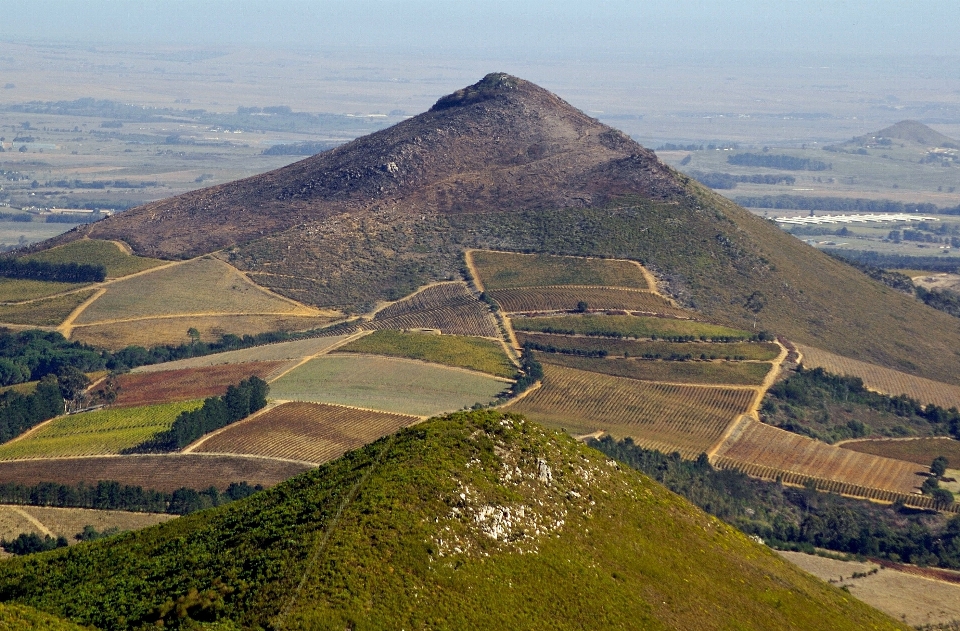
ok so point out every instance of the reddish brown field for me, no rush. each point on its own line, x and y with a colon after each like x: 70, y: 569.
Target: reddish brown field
x: 537, y: 299
x: 919, y: 450
x: 187, y: 384
x: 764, y: 451
x: 310, y: 432
x: 166, y: 472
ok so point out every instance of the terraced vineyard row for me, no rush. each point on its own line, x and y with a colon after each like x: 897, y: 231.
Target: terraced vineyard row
x: 703, y: 372
x: 687, y: 419
x: 882, y: 379
x: 567, y: 298
x: 449, y: 307
x: 190, y: 383
x: 759, y: 449
x: 308, y: 432
x: 505, y: 270
x: 166, y: 472
x: 762, y: 351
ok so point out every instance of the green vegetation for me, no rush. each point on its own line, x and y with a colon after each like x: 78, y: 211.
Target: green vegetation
x: 18, y: 290
x: 705, y: 372
x: 48, y: 312
x: 239, y: 401
x: 115, y: 261
x: 630, y: 326
x: 112, y: 495
x: 387, y: 384
x: 833, y: 204
x: 777, y: 161
x: 403, y: 534
x: 800, y: 519
x: 19, y: 412
x: 107, y: 431
x: 602, y: 347
x: 727, y: 181
x: 20, y: 618
x: 451, y: 350
x: 506, y: 270
x: 31, y: 543
x: 829, y: 407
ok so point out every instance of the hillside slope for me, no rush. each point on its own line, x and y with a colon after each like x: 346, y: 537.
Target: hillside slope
x: 479, y: 520
x: 911, y: 131
x: 504, y: 164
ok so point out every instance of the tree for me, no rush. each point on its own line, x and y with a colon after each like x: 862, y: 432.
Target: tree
x: 942, y: 497
x: 939, y: 466
x: 582, y: 306
x: 929, y: 486
x: 194, y: 335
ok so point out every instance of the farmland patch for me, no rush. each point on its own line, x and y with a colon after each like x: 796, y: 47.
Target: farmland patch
x: 280, y: 351
x: 757, y: 351
x: 310, y: 432
x: 385, y: 383
x: 446, y: 307
x: 451, y: 350
x: 505, y: 270
x: 95, y: 252
x: 684, y: 418
x: 95, y: 433
x: 46, y: 312
x: 921, y: 451
x: 20, y: 289
x: 704, y: 372
x: 190, y: 383
x: 167, y: 472
x: 535, y: 299
x: 67, y: 522
x: 627, y: 326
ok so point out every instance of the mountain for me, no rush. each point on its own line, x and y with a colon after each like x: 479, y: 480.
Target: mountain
x: 476, y: 520
x: 505, y: 164
x: 915, y: 131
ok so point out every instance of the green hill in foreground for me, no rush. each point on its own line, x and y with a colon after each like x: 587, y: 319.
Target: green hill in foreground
x: 473, y: 521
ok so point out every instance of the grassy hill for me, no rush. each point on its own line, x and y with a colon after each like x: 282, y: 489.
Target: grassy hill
x: 478, y: 520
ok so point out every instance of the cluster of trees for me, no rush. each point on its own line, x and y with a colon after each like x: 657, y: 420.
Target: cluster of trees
x: 530, y: 371
x: 550, y: 348
x: 19, y: 412
x: 28, y: 543
x: 674, y: 147
x: 777, y: 161
x: 59, y: 272
x: 22, y: 217
x: 238, y: 402
x: 834, y: 204
x: 74, y: 218
x: 299, y: 148
x: 794, y: 518
x: 728, y: 181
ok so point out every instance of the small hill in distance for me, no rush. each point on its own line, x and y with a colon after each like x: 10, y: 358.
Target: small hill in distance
x: 475, y: 520
x: 905, y: 131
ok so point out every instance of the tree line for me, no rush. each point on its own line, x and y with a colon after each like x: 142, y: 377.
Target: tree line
x: 946, y: 301
x: 19, y: 412
x: 58, y: 272
x: 777, y: 161
x: 727, y: 181
x: 238, y: 402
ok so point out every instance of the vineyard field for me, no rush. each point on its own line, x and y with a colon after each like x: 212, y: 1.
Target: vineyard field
x: 508, y: 270
x: 281, y: 351
x: 191, y: 383
x: 756, y: 351
x: 166, y: 472
x: 528, y: 300
x: 626, y: 326
x: 703, y: 372
x: 447, y: 307
x: 47, y: 312
x: 20, y: 289
x: 884, y: 380
x: 153, y: 331
x: 94, y: 252
x: 764, y: 451
x: 388, y: 384
x: 921, y: 451
x: 450, y: 350
x: 309, y: 432
x: 683, y: 418
x: 203, y: 286
x: 100, y: 432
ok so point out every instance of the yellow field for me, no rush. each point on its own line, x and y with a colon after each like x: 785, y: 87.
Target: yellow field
x: 67, y: 522
x: 503, y: 270
x: 151, y: 332
x: 18, y: 289
x: 884, y: 380
x: 204, y: 286
x: 568, y: 298
x: 684, y: 418
x: 46, y: 312
x: 702, y: 372
x: 93, y: 252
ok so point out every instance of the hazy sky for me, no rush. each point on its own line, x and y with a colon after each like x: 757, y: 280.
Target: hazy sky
x: 531, y: 27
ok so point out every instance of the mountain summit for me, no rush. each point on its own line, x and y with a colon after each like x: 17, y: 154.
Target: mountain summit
x: 500, y: 143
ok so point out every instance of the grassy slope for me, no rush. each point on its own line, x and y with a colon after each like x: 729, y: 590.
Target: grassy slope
x: 451, y: 350
x: 46, y: 312
x: 20, y: 618
x: 16, y: 290
x: 367, y: 542
x: 94, y: 252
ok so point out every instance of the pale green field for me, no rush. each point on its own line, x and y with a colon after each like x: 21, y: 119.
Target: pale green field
x: 96, y: 433
x: 270, y: 352
x: 386, y: 383
x: 17, y: 289
x: 202, y: 286
x: 94, y: 252
x: 48, y: 312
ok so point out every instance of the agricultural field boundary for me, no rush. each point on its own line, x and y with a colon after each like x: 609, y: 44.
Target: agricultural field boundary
x: 883, y: 380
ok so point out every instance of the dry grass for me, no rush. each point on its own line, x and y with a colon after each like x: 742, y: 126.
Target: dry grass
x: 764, y: 451
x: 18, y: 289
x: 703, y: 372
x: 151, y: 332
x: 49, y: 312
x: 568, y: 298
x: 505, y: 270
x: 281, y: 351
x: 67, y: 522
x: 166, y: 472
x: 203, y: 286
x: 93, y: 252
x: 310, y: 432
x: 921, y: 451
x: 687, y: 419
x: 190, y: 383
x: 883, y: 379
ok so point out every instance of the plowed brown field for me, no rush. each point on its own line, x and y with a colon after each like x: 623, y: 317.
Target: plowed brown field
x: 310, y: 432
x: 187, y: 384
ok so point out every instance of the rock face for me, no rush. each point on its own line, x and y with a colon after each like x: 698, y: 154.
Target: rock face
x: 500, y: 144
